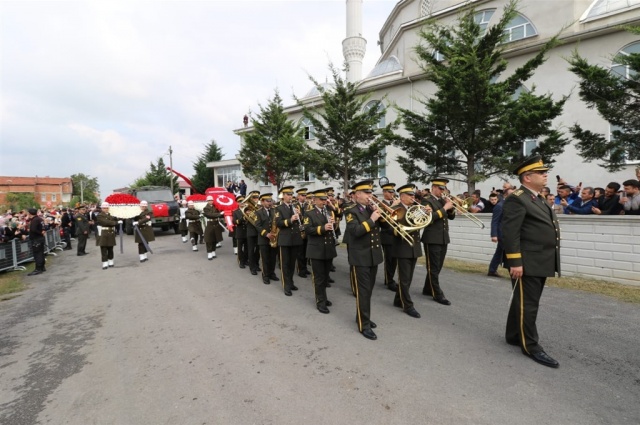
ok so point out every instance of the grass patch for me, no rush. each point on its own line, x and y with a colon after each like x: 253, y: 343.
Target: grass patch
x: 627, y: 293
x: 10, y: 284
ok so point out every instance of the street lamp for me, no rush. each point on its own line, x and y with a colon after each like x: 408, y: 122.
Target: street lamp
x: 170, y: 153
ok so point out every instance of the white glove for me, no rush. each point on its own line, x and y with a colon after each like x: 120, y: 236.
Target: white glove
x: 119, y: 221
x: 135, y: 223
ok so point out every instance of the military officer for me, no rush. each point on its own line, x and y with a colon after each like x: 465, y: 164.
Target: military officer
x: 213, y: 230
x: 405, y: 254
x: 264, y: 224
x: 435, y: 238
x: 390, y: 263
x: 106, y: 235
x: 301, y: 261
x: 143, y: 221
x: 288, y: 220
x: 252, y: 238
x: 321, y: 248
x: 364, y: 252
x: 82, y: 229
x: 240, y: 234
x: 346, y: 205
x: 531, y: 238
x: 194, y: 224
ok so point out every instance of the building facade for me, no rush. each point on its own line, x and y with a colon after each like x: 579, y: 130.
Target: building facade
x: 47, y: 191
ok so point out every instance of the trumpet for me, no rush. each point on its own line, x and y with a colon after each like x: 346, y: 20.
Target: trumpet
x: 462, y: 207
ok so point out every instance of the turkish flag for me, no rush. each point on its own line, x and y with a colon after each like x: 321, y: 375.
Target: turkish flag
x: 160, y: 210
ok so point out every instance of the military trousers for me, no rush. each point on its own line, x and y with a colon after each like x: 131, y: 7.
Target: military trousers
x: 106, y: 252
x: 319, y: 278
x: 365, y: 279
x: 253, y: 253
x: 435, y: 255
x: 243, y: 252
x: 302, y: 259
x: 523, y: 312
x: 288, y: 256
x: 406, y: 267
x: 390, y: 264
x: 82, y: 242
x: 268, y: 258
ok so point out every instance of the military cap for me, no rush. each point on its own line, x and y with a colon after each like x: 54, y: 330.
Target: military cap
x: 209, y: 198
x: 320, y: 193
x: 254, y: 193
x: 239, y: 198
x: 439, y: 181
x: 389, y: 186
x: 287, y: 189
x: 530, y: 164
x: 302, y: 191
x: 266, y: 196
x: 363, y: 185
x: 81, y: 207
x: 104, y: 205
x: 329, y: 191
x: 144, y: 203
x: 32, y: 211
x: 408, y: 189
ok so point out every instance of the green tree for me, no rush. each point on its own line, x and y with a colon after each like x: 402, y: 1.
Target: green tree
x: 157, y: 176
x: 20, y: 201
x: 203, y: 177
x: 349, y: 137
x: 477, y: 120
x: 275, y: 149
x: 85, y: 188
x: 616, y: 97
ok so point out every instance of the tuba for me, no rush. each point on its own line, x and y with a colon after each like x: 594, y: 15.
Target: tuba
x: 248, y: 208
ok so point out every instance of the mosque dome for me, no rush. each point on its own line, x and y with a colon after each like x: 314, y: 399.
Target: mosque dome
x: 314, y: 90
x: 387, y: 66
x: 601, y: 8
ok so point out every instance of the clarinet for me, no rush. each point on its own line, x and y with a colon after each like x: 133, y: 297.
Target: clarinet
x: 331, y: 221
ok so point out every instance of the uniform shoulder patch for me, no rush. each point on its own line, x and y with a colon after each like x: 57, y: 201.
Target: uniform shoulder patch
x: 306, y: 220
x: 349, y: 217
x: 277, y: 214
x: 518, y: 192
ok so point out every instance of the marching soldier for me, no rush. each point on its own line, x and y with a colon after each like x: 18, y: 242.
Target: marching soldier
x: 364, y: 252
x: 265, y: 228
x: 194, y: 224
x: 346, y: 205
x: 390, y: 263
x: 252, y: 239
x: 106, y: 235
x: 144, y: 221
x: 213, y: 230
x: 183, y: 227
x: 301, y: 201
x: 405, y: 254
x: 240, y: 234
x: 321, y: 248
x: 83, y: 228
x: 435, y: 238
x: 288, y: 220
x: 531, y: 238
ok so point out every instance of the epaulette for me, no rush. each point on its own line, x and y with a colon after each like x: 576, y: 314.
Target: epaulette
x: 518, y: 192
x: 348, y: 207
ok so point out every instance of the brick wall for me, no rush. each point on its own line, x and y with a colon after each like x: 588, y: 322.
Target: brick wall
x: 599, y: 247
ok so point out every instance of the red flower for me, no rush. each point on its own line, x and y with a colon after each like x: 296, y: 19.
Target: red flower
x: 122, y: 199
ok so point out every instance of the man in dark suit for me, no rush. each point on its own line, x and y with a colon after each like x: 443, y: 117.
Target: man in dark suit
x: 264, y: 224
x: 65, y: 224
x: 321, y: 247
x: 364, y: 252
x: 436, y: 238
x: 288, y: 219
x: 390, y: 263
x: 82, y: 229
x: 531, y: 237
x: 406, y: 254
x: 496, y: 236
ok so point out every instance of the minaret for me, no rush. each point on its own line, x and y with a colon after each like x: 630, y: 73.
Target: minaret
x: 354, y: 46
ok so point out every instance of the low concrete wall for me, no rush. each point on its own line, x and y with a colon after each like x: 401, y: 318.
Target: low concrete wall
x: 599, y: 247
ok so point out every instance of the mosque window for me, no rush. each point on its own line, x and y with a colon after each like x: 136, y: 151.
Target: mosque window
x: 309, y: 133
x: 528, y: 145
x: 305, y: 175
x: 381, y: 108
x: 624, y: 72
x: 426, y: 7
x: 381, y: 163
x: 519, y: 28
x: 483, y: 17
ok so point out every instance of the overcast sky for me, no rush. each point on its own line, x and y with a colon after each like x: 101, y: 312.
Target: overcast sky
x: 105, y: 87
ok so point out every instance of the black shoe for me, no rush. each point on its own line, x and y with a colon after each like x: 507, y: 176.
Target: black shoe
x: 302, y: 275
x: 442, y: 300
x: 110, y: 265
x: 427, y: 293
x: 323, y: 310
x: 544, y: 359
x: 294, y: 288
x: 392, y: 287
x: 328, y: 285
x: 332, y: 269
x: 254, y: 272
x: 274, y: 278
x: 493, y: 274
x: 259, y: 269
x: 242, y: 266
x: 369, y: 334
x: 413, y: 313
x: 287, y: 292
x: 266, y: 281
x: 513, y: 342
x: 33, y: 273
x: 372, y: 324
x: 307, y: 272
x: 331, y: 281
x: 397, y: 303
x: 329, y: 303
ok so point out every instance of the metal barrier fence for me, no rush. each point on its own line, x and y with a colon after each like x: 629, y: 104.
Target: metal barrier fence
x: 17, y: 252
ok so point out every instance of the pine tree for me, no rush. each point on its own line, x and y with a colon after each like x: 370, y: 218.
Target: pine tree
x: 275, y: 149
x: 477, y: 120
x: 85, y: 188
x: 203, y: 177
x: 157, y: 176
x: 350, y: 142
x: 617, y: 98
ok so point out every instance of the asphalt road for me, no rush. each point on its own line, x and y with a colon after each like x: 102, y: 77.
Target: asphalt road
x: 183, y: 340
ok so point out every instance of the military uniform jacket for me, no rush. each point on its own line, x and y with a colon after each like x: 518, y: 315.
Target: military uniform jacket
x: 106, y: 229
x: 530, y: 234
x: 321, y: 244
x: 438, y: 231
x: 264, y: 225
x: 401, y: 248
x: 193, y: 220
x: 240, y: 225
x: 252, y: 231
x: 290, y: 234
x: 144, y: 224
x: 212, y: 215
x: 387, y: 231
x: 365, y: 247
x: 82, y: 224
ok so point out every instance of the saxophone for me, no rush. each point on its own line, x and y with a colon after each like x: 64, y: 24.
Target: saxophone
x: 296, y: 207
x: 273, y: 241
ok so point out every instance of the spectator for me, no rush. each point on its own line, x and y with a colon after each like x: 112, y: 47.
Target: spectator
x: 599, y: 193
x: 609, y: 203
x: 631, y: 200
x: 638, y: 173
x: 496, y: 234
x: 36, y: 235
x: 478, y: 205
x: 567, y: 195
x: 551, y: 200
x: 493, y: 201
x: 243, y: 188
x: 583, y: 207
x: 545, y: 191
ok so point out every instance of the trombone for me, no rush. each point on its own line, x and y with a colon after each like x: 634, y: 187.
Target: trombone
x: 416, y: 216
x: 462, y: 207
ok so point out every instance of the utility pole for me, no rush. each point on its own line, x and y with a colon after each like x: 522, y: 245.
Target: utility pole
x: 171, y: 166
x: 82, y: 192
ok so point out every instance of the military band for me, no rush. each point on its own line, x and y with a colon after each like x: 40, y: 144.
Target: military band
x: 240, y: 235
x: 264, y: 226
x: 304, y: 206
x: 390, y: 262
x: 252, y: 238
x: 288, y: 221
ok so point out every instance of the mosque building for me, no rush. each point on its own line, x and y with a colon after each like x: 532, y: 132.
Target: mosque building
x: 591, y: 27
